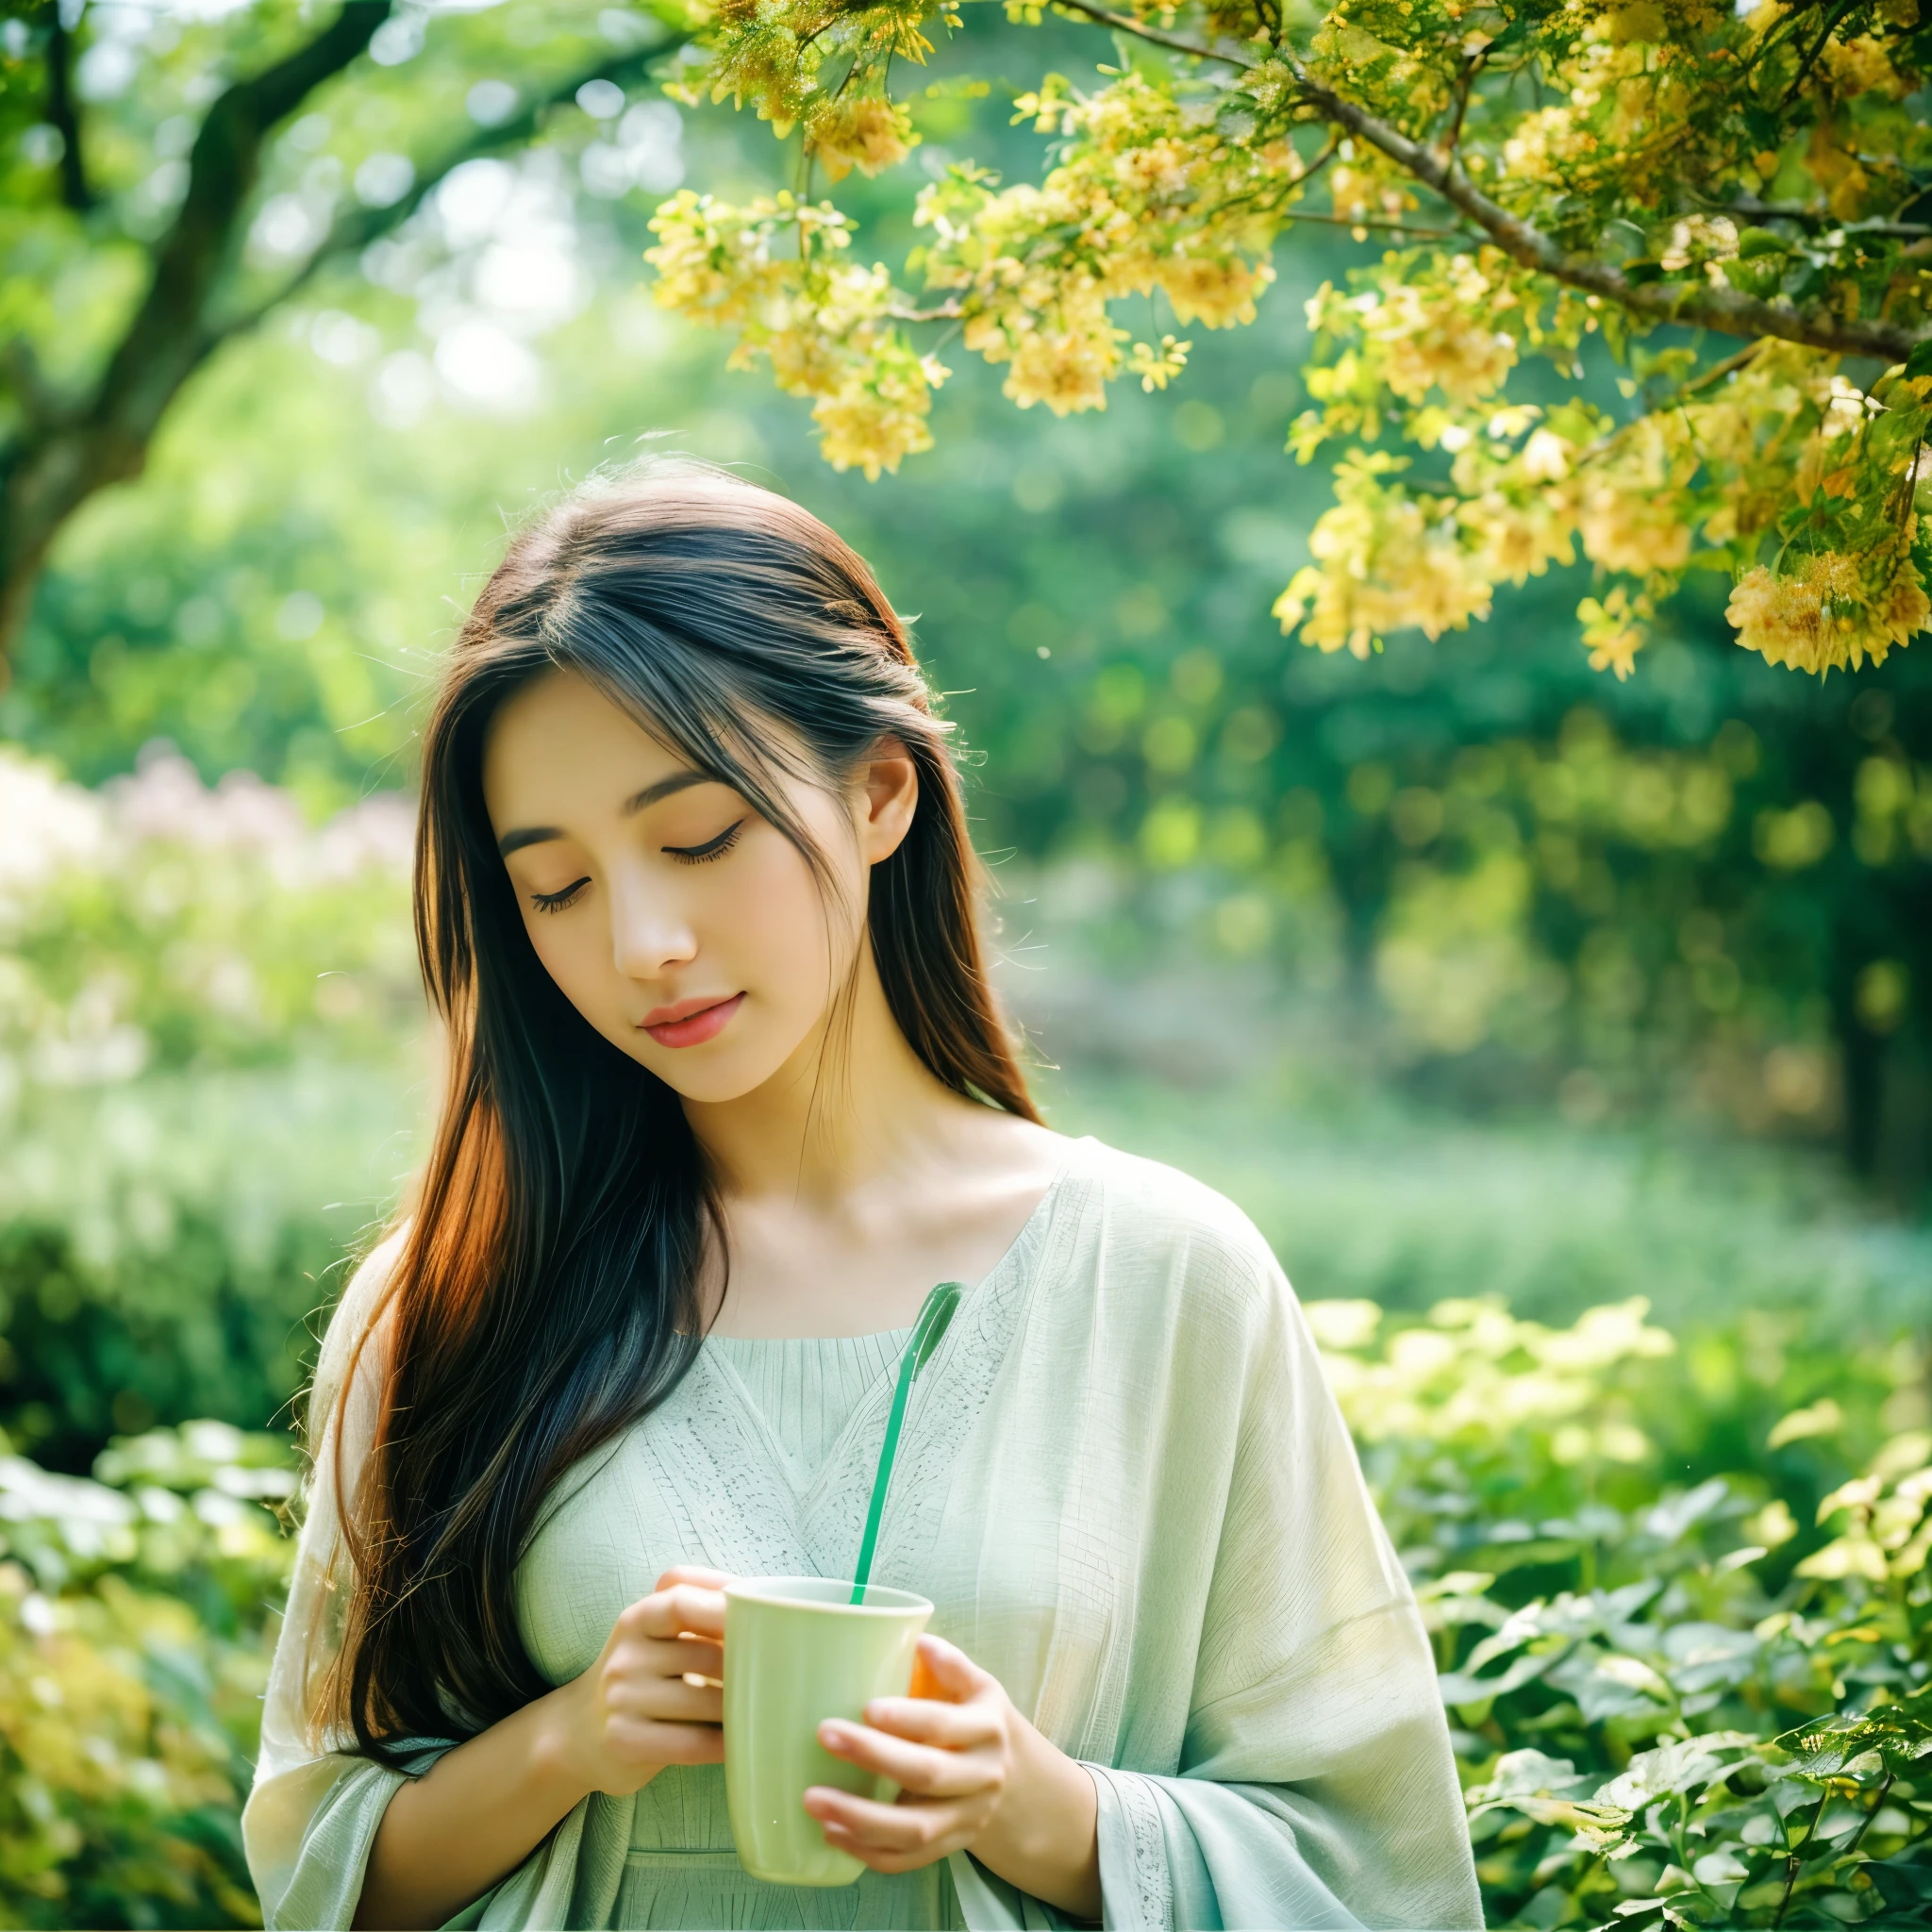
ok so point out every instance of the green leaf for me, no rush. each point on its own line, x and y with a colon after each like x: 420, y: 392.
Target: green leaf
x: 1890, y: 1738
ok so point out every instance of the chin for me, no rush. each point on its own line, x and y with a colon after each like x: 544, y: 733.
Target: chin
x: 695, y: 1073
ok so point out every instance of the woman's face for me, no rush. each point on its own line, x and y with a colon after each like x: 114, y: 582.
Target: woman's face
x: 687, y: 930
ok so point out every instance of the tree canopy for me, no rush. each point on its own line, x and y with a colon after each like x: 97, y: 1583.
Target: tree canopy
x: 172, y: 175
x: 1720, y: 207
x: 1715, y: 212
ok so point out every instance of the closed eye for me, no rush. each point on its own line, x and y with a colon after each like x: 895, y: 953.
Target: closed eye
x: 556, y: 901
x: 715, y: 848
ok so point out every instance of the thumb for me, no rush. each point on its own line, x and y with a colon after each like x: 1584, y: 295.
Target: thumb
x: 943, y: 1671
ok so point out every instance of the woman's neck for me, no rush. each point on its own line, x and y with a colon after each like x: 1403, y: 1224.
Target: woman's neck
x: 851, y: 1110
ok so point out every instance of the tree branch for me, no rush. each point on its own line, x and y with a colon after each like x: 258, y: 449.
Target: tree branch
x: 1810, y: 59
x: 1381, y: 223
x: 354, y: 231
x: 168, y: 337
x: 1122, y: 23
x: 62, y: 461
x: 1749, y: 210
x: 64, y: 115
x: 1723, y: 310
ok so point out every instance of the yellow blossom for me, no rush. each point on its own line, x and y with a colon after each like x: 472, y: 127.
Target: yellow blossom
x: 1519, y: 541
x: 1823, y: 616
x: 868, y: 134
x: 1383, y: 563
x: 1612, y: 631
x: 1437, y: 336
x: 1065, y: 369
x: 1217, y: 294
x: 1158, y: 367
x: 1632, y: 525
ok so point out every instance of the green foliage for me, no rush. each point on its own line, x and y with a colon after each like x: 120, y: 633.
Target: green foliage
x: 1671, y: 1703
x: 204, y: 1015
x: 1674, y: 1706
x: 1699, y: 892
x: 1577, y: 177
x: 136, y: 1625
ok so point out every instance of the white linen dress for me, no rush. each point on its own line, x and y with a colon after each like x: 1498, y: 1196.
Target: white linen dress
x: 1131, y: 1497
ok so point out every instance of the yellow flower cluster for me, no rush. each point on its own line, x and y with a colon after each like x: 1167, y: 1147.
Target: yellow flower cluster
x: 1697, y: 239
x: 1829, y: 613
x: 1435, y: 333
x: 1628, y: 527
x: 1156, y: 368
x: 1519, y: 540
x: 771, y: 52
x: 1627, y: 116
x: 826, y: 327
x: 715, y: 261
x: 1613, y: 630
x: 878, y: 415
x: 869, y: 133
x: 1384, y: 561
x: 1145, y: 199
x: 1729, y: 456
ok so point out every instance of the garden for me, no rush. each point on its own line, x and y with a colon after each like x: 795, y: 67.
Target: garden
x: 1447, y: 726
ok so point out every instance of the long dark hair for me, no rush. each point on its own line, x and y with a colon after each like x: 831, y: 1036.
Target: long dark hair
x: 545, y: 1295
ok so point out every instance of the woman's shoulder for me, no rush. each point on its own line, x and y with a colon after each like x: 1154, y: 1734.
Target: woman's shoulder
x: 356, y: 1309
x: 1168, y: 1221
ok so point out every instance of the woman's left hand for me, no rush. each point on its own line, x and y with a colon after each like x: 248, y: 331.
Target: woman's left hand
x: 973, y: 1775
x: 948, y: 1746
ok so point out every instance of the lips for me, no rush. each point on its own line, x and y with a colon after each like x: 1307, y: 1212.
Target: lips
x: 691, y: 1022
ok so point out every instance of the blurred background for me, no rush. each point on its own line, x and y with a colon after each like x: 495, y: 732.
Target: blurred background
x: 1466, y: 970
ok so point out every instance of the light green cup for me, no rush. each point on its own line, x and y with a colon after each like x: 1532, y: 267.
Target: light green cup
x: 798, y: 1650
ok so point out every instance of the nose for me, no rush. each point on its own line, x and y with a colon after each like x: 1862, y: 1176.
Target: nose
x: 649, y: 931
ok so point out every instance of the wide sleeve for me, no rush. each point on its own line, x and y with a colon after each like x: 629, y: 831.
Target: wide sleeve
x: 1316, y: 1786
x: 316, y: 1801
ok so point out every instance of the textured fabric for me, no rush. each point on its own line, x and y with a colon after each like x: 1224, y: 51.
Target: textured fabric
x: 1131, y: 1497
x: 806, y: 1389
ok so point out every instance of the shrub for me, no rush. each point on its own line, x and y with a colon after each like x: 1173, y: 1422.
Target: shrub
x: 208, y: 1016
x: 136, y: 1624
x: 1671, y: 1705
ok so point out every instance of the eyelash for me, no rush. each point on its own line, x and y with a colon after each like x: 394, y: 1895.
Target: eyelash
x: 700, y: 854
x: 688, y: 855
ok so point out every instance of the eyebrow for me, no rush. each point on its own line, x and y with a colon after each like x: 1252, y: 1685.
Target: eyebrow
x: 638, y: 801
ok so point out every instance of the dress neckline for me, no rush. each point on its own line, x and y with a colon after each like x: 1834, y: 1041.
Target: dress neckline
x: 1042, y: 1209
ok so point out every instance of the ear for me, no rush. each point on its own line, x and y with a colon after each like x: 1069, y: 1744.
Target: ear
x: 887, y: 796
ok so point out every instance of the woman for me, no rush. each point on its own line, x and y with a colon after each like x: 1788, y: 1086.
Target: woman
x: 728, y: 1091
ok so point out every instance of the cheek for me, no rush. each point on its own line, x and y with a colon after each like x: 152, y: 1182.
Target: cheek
x: 570, y: 951
x: 777, y: 924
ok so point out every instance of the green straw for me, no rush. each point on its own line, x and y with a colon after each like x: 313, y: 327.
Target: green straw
x: 935, y: 1314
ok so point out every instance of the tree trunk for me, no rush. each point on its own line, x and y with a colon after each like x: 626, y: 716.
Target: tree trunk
x: 66, y: 452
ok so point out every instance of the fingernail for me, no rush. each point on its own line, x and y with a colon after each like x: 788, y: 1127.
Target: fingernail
x: 833, y: 1732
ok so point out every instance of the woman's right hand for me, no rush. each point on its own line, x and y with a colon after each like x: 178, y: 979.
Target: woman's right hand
x: 632, y: 1712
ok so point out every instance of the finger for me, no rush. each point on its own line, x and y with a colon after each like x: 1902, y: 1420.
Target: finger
x: 667, y: 1657
x: 668, y: 1698
x: 916, y: 1768
x: 647, y: 1743
x: 951, y: 1727
x: 693, y: 1573
x: 892, y: 1864
x: 896, y: 1829
x: 683, y: 1607
x: 697, y: 1657
x: 944, y: 1671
